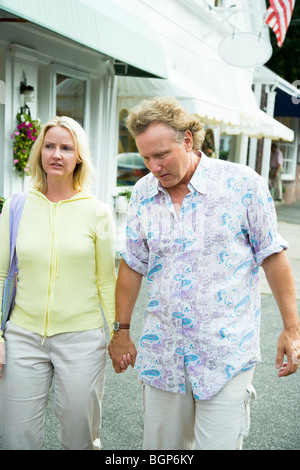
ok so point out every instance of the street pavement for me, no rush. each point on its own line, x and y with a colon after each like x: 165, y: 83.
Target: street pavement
x: 275, y: 413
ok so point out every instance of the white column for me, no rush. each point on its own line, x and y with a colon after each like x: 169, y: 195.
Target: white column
x: 253, y: 141
x: 241, y: 149
x: 271, y: 94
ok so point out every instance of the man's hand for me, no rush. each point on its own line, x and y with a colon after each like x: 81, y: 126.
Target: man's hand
x: 289, y: 345
x: 122, y: 351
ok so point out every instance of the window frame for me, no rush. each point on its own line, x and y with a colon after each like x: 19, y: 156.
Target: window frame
x: 290, y: 152
x: 72, y: 73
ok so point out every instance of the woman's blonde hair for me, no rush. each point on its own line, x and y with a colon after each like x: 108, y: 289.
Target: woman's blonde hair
x: 84, y: 169
x: 168, y: 111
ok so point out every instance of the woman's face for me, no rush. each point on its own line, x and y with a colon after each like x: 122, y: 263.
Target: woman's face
x: 58, y: 155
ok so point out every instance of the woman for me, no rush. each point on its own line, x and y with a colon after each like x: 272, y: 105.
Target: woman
x: 65, y: 249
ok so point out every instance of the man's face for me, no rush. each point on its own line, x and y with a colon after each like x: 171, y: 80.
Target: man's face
x: 168, y: 160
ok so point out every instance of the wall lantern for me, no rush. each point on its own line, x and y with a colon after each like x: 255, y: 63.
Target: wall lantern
x: 27, y: 95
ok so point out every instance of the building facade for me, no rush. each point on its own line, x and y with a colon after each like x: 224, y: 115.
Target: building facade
x: 97, y: 59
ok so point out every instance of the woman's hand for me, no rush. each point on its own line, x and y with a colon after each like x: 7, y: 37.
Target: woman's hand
x: 2, y: 357
x: 122, y: 351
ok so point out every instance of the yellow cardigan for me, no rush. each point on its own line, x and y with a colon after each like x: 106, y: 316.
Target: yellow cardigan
x: 66, y: 264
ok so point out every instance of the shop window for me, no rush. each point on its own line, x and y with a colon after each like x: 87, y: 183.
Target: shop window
x: 208, y: 146
x: 131, y: 166
x: 289, y: 149
x: 70, y: 97
x: 224, y: 152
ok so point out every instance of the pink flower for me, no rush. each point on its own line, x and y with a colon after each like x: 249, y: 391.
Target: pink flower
x: 26, y: 169
x: 17, y: 133
x: 16, y: 160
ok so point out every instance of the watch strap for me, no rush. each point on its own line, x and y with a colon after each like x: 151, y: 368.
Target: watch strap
x: 120, y: 326
x: 124, y: 326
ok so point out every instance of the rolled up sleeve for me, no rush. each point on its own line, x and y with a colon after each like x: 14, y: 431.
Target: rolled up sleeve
x: 264, y: 238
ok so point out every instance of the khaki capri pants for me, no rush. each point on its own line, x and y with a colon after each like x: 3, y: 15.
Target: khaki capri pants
x: 75, y: 362
x: 179, y: 422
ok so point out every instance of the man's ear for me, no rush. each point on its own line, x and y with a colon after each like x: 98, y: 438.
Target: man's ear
x: 188, y: 140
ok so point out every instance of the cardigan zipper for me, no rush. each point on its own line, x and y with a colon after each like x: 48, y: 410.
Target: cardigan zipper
x: 54, y: 264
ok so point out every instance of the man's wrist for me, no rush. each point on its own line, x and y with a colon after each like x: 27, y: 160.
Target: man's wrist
x: 117, y: 326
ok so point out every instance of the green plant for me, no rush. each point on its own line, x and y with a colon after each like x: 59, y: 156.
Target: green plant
x: 127, y: 193
x: 2, y: 201
x: 24, y: 137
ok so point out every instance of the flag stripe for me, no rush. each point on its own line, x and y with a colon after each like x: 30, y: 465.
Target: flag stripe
x: 278, y: 17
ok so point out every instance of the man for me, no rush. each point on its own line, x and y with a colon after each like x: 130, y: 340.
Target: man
x: 198, y: 230
x: 276, y: 163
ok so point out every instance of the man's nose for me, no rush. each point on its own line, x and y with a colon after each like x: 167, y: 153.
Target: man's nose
x: 155, y: 166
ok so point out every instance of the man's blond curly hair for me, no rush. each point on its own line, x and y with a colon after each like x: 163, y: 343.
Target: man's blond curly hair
x: 168, y: 111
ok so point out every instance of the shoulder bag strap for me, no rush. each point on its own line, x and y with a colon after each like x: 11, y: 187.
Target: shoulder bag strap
x: 15, y: 212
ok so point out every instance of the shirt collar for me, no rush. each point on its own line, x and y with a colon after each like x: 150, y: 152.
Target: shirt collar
x: 199, y: 179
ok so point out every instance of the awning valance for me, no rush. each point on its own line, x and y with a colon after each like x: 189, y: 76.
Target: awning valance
x: 107, y: 28
x: 260, y: 125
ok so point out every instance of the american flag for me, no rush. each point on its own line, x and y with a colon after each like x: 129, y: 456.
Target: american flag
x: 278, y: 17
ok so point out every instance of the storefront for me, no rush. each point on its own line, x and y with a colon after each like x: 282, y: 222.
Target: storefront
x: 68, y: 55
x: 282, y: 99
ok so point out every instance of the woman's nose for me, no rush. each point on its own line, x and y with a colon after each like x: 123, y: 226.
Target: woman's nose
x: 57, y: 153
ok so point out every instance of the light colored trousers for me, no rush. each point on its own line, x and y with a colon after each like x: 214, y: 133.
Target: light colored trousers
x: 179, y: 422
x: 276, y: 190
x: 76, y: 363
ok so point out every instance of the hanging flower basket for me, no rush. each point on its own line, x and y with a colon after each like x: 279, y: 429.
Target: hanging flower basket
x: 24, y: 137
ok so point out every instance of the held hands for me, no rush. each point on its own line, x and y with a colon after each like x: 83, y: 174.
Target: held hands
x: 289, y: 345
x: 122, y: 351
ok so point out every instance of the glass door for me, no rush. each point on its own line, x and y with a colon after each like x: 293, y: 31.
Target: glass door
x: 70, y: 97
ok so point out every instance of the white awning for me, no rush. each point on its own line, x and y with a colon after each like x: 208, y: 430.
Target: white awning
x: 107, y: 28
x: 229, y: 85
x: 237, y: 112
x: 261, y: 125
x: 194, y: 99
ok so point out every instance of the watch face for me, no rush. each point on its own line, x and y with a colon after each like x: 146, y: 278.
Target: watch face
x: 116, y: 326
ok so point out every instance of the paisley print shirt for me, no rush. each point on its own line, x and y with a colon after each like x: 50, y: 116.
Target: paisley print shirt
x: 202, y: 271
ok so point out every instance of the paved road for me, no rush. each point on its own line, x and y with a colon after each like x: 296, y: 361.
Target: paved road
x: 274, y: 415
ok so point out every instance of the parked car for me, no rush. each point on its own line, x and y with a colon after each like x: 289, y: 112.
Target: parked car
x: 131, y: 168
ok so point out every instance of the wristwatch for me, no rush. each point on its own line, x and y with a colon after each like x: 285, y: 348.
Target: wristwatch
x: 120, y: 326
